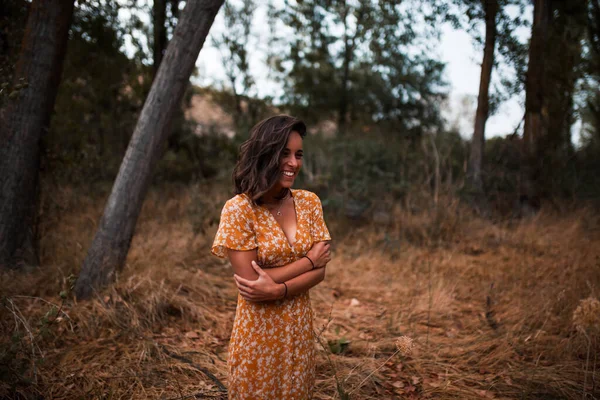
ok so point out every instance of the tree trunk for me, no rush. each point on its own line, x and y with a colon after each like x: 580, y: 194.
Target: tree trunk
x: 478, y: 141
x: 564, y: 57
x: 159, y: 19
x: 109, y: 248
x: 535, y: 124
x: 343, y: 107
x: 26, y: 119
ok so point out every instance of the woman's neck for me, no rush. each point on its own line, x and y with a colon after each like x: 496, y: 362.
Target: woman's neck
x: 275, y: 195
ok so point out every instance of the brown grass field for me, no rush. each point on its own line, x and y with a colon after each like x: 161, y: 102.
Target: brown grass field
x: 504, y: 310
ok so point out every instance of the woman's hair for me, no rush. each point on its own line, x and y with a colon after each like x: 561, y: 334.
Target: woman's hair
x: 257, y: 169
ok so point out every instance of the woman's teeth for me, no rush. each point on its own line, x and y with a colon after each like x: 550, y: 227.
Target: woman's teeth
x: 287, y: 173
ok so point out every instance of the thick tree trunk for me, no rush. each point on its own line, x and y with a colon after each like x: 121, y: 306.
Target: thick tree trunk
x: 159, y: 20
x: 26, y: 119
x: 535, y: 102
x: 564, y: 57
x: 109, y: 248
x: 481, y: 116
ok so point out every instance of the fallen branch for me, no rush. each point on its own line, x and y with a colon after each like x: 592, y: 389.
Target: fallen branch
x: 205, y: 371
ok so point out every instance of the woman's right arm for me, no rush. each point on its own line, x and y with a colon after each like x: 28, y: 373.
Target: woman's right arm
x: 241, y: 261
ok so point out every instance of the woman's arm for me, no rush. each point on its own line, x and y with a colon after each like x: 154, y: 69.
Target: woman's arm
x: 241, y: 261
x: 265, y: 289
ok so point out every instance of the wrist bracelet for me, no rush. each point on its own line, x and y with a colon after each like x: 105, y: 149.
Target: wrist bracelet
x: 311, y: 262
x: 285, y: 294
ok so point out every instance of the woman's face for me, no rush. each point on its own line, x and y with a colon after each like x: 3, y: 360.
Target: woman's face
x: 291, y: 160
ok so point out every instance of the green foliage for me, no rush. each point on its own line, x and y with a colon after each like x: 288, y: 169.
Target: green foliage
x: 369, y: 170
x: 12, y: 24
x: 99, y: 99
x: 363, y: 62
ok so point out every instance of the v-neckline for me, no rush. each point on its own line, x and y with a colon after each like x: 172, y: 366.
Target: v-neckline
x: 281, y: 230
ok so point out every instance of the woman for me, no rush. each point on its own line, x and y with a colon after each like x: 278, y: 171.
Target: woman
x: 272, y: 348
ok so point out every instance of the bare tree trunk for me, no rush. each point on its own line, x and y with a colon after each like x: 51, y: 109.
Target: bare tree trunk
x: 159, y: 19
x: 535, y: 125
x: 26, y: 119
x: 478, y: 141
x: 110, y: 246
x: 343, y: 107
x: 566, y: 33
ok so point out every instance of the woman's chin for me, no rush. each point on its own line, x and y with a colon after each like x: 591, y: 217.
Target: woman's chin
x: 286, y: 183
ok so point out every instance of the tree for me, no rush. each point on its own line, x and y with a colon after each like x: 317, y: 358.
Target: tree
x: 490, y: 10
x: 98, y: 102
x: 24, y: 122
x: 110, y: 245
x: 161, y: 22
x: 564, y: 68
x: 233, y: 44
x: 13, y: 17
x: 499, y: 46
x: 159, y: 44
x: 535, y: 82
x: 554, y: 68
x: 360, y: 61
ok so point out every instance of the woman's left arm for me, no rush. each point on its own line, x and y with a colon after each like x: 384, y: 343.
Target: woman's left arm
x: 265, y: 288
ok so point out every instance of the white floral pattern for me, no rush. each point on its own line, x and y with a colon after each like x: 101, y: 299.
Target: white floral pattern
x: 271, y: 352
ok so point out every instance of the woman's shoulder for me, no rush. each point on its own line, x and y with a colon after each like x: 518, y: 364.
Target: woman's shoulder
x: 240, y: 202
x: 306, y: 195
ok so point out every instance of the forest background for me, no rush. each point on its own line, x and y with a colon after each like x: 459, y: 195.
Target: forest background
x: 114, y: 167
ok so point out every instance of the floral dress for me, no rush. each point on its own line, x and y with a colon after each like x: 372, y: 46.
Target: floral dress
x: 272, y: 347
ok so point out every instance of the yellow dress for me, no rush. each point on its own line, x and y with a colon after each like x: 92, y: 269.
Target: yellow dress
x: 272, y: 347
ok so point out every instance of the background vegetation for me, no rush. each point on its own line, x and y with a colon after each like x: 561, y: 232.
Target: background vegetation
x: 490, y: 262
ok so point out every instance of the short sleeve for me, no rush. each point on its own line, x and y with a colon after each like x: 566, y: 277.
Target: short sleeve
x: 236, y: 227
x: 318, y: 229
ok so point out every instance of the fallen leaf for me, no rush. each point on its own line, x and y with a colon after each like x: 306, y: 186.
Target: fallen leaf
x: 409, y: 389
x: 485, y: 393
x: 191, y: 335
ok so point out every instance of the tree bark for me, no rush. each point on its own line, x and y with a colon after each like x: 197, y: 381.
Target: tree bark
x: 24, y: 121
x: 564, y: 58
x: 343, y: 107
x: 535, y: 120
x: 110, y: 245
x: 481, y: 116
x: 159, y: 19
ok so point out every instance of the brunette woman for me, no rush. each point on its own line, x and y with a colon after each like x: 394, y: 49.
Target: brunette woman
x: 277, y: 242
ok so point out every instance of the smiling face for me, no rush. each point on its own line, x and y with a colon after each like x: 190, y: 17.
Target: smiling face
x: 290, y: 161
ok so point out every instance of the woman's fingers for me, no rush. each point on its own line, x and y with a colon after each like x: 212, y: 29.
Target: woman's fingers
x: 258, y: 269
x: 243, y: 281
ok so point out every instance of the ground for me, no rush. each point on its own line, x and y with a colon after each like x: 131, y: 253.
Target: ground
x: 495, y: 309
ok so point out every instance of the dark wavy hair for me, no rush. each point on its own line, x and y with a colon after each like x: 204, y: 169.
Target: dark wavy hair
x: 257, y: 169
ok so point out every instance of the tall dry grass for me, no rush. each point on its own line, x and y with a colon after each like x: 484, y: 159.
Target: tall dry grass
x: 503, y: 310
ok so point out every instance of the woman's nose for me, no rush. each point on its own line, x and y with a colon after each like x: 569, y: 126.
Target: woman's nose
x: 292, y: 162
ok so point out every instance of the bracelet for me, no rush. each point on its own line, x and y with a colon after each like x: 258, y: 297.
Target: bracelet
x: 285, y: 294
x: 311, y: 262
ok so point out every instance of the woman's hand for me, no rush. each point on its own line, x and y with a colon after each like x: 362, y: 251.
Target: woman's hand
x: 320, y: 254
x: 262, y: 289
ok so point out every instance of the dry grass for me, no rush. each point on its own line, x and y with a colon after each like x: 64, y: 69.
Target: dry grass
x: 491, y: 308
